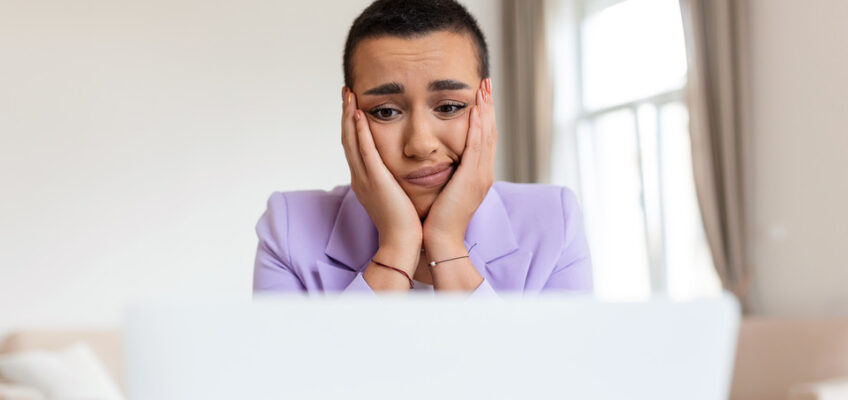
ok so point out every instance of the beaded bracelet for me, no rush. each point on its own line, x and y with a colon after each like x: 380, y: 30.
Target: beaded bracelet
x: 433, y: 263
x: 396, y: 269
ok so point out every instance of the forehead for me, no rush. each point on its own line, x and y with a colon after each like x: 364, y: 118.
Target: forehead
x: 415, y: 60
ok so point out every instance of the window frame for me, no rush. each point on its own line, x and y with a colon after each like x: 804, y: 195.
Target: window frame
x: 655, y: 242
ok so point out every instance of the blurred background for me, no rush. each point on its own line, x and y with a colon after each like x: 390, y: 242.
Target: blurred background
x: 707, y: 142
x: 140, y: 140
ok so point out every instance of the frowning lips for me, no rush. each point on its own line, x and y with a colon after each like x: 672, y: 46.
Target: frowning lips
x: 431, y: 176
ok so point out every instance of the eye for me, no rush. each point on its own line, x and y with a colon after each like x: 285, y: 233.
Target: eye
x: 384, y: 113
x: 450, y: 108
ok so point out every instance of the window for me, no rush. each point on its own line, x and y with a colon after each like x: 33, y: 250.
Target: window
x: 627, y: 137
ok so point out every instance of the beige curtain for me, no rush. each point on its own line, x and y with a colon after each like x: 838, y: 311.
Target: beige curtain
x: 528, y: 137
x: 716, y: 39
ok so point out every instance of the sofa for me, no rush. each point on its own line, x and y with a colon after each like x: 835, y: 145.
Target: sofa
x: 105, y: 344
x: 780, y: 358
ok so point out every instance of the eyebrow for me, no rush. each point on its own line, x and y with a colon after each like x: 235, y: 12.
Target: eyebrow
x: 434, y: 86
x: 447, y: 84
x: 386, y: 88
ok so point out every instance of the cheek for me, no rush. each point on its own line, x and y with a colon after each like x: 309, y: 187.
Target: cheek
x: 387, y: 139
x: 455, y: 133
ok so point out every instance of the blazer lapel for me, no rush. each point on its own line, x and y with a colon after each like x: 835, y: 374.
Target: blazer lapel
x: 496, y: 255
x: 490, y: 231
x: 333, y: 278
x: 352, y: 243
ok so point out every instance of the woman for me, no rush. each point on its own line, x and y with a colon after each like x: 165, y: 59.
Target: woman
x: 422, y: 211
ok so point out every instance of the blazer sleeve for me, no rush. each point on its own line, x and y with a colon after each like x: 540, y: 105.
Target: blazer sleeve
x: 573, y: 270
x: 359, y: 286
x: 272, y: 269
x: 483, y: 291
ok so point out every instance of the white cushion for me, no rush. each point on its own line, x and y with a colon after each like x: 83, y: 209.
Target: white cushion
x: 73, y: 372
x: 13, y: 391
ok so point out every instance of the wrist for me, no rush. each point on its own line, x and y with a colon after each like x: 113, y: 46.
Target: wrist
x: 441, y: 238
x: 401, y: 241
x: 444, y: 248
x: 404, y: 258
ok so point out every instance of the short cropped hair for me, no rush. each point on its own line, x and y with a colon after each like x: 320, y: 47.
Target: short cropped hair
x: 411, y: 18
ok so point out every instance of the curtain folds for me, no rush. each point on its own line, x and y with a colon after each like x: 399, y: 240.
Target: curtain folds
x: 530, y: 99
x: 716, y: 40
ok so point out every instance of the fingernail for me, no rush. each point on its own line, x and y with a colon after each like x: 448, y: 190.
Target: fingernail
x: 357, y: 115
x: 349, y: 96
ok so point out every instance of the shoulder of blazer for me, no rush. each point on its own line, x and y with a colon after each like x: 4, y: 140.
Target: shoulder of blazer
x: 533, y: 197
x: 316, y: 201
x: 316, y: 207
x: 307, y: 215
x: 534, y: 207
x: 522, y: 191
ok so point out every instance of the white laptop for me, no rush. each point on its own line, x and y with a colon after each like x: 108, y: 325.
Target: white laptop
x: 413, y: 347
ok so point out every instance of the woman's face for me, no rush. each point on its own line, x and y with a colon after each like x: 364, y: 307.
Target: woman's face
x: 416, y: 94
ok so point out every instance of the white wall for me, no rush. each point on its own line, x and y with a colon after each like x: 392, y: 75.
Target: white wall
x: 140, y: 140
x: 799, y: 156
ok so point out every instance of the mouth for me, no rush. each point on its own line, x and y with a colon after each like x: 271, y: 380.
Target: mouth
x: 432, y: 176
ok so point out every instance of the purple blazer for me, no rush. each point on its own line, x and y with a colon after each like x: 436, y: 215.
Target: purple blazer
x: 529, y: 238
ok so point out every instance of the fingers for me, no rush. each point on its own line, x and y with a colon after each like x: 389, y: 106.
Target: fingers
x: 474, y: 139
x: 479, y: 154
x: 349, y: 138
x: 490, y: 129
x: 367, y: 149
x: 476, y: 168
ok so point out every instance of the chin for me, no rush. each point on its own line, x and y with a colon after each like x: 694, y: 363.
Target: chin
x: 422, y: 204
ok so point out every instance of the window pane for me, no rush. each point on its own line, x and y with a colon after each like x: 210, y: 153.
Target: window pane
x: 690, y: 265
x: 609, y: 166
x: 649, y: 150
x: 631, y: 50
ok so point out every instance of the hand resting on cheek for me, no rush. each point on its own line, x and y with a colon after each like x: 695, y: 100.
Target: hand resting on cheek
x: 400, y: 230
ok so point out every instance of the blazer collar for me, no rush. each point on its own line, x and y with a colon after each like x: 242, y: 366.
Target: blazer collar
x: 353, y: 239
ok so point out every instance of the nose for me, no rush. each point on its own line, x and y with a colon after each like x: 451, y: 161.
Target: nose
x: 421, y: 141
